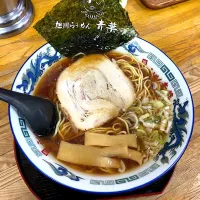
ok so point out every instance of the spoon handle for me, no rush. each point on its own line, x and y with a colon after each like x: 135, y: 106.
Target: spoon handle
x: 13, y: 98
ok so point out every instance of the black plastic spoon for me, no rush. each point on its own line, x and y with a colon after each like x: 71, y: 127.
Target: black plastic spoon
x: 40, y: 113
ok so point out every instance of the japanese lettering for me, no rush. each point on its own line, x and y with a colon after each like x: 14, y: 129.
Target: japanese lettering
x: 101, y: 25
x: 72, y: 25
x: 111, y: 27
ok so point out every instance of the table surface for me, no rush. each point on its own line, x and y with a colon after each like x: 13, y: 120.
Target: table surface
x: 175, y: 30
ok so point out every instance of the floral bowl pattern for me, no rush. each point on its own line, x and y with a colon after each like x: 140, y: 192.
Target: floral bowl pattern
x: 175, y: 146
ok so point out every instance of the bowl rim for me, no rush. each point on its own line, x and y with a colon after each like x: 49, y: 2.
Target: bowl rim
x: 110, y: 192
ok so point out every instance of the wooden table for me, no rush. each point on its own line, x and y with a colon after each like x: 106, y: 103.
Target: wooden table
x: 175, y: 30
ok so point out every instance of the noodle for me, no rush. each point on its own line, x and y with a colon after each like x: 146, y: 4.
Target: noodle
x: 125, y: 123
x: 137, y: 77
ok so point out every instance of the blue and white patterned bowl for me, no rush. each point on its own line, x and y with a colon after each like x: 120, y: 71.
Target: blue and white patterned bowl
x: 177, y: 142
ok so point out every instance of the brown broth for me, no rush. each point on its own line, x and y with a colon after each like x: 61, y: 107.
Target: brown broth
x: 46, y: 88
x: 48, y: 81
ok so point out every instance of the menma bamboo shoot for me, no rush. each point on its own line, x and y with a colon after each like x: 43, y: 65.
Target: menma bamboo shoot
x: 95, y: 139
x: 134, y: 155
x: 91, y: 156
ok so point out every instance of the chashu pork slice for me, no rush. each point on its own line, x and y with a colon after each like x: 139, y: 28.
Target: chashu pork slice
x: 93, y: 90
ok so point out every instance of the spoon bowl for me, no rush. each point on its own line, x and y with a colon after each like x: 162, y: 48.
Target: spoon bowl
x: 40, y: 113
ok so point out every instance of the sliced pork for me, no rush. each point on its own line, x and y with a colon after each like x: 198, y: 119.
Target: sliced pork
x: 94, y: 90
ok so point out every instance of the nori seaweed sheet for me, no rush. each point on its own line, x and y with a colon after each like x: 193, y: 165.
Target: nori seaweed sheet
x: 74, y: 38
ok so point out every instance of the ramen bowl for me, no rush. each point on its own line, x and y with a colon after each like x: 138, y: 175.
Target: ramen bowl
x: 178, y: 139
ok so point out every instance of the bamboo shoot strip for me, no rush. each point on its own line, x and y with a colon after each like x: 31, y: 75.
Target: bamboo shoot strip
x: 95, y: 139
x: 114, y: 151
x: 84, y: 155
x: 135, y: 155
